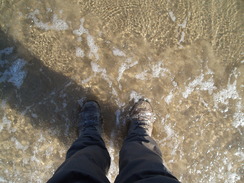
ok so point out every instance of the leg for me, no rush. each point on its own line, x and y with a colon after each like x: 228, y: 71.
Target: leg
x: 140, y: 160
x: 87, y: 160
x: 140, y: 157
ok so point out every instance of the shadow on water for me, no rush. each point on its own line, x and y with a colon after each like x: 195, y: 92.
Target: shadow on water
x: 48, y: 98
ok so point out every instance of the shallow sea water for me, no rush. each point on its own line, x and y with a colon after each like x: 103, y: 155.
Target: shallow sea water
x: 185, y: 57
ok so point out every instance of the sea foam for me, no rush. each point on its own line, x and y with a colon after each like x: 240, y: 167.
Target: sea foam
x: 15, y: 73
x: 55, y: 24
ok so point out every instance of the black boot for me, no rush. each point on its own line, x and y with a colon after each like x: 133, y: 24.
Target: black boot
x: 142, y: 116
x: 90, y: 117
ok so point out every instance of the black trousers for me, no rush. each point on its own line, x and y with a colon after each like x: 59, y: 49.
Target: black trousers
x: 88, y: 160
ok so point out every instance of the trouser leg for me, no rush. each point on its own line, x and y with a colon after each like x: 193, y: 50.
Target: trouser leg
x: 87, y: 160
x: 140, y: 160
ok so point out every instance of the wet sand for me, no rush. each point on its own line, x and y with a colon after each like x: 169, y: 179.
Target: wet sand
x: 185, y: 57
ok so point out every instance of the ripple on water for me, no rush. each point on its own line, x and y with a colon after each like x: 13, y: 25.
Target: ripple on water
x: 185, y: 61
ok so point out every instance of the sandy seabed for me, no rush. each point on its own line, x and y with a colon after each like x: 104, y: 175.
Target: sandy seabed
x: 184, y: 56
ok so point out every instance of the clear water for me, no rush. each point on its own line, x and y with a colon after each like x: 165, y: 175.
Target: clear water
x: 186, y: 57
